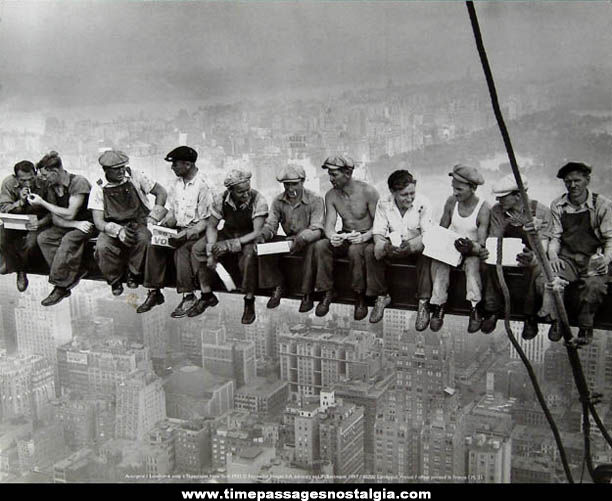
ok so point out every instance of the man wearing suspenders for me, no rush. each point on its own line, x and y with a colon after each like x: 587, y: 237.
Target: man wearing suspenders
x: 467, y: 215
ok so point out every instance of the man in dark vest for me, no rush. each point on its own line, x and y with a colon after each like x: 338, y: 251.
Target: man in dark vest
x: 581, y: 246
x: 121, y: 212
x: 508, y: 220
x: 18, y: 248
x: 63, y: 244
x: 244, y: 212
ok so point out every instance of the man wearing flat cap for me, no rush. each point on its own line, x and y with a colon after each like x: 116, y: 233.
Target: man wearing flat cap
x: 580, y: 249
x: 19, y: 248
x: 189, y: 201
x: 301, y: 214
x: 467, y: 215
x: 244, y: 212
x: 508, y: 220
x: 63, y: 244
x: 121, y: 212
x: 355, y: 202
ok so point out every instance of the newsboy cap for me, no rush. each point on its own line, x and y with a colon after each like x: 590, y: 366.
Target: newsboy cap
x: 573, y: 167
x: 338, y: 162
x: 112, y: 159
x: 182, y: 153
x: 507, y: 185
x: 467, y: 174
x: 290, y: 173
x: 235, y: 177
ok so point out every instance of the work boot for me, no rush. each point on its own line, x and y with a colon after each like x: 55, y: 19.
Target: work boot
x: 489, y: 323
x: 57, y: 294
x: 275, y: 299
x: 361, y: 310
x: 154, y: 298
x: 132, y: 281
x: 437, y: 317
x: 530, y: 328
x: 206, y: 301
x: 248, y: 317
x: 554, y: 333
x: 117, y: 288
x: 306, y: 304
x: 184, y: 306
x: 422, y: 319
x: 475, y: 320
x: 585, y: 336
x: 323, y: 306
x: 379, y: 308
x: 22, y: 281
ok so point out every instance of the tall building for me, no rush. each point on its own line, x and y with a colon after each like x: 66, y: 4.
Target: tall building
x: 263, y: 397
x: 193, y: 447
x: 395, y: 323
x: 261, y: 333
x: 141, y: 405
x: 307, y: 438
x: 341, y: 440
x: 535, y: 348
x: 44, y: 447
x: 488, y: 459
x: 155, y: 333
x: 27, y: 386
x: 78, y: 419
x: 234, y: 359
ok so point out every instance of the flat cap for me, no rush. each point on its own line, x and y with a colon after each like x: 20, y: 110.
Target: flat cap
x: 338, y: 162
x: 182, y: 153
x: 112, y: 159
x: 467, y: 174
x: 51, y: 159
x: 290, y: 173
x: 573, y: 167
x: 235, y: 177
x: 507, y: 185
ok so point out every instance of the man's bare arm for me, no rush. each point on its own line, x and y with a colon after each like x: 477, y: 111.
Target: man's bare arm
x: 331, y: 215
x: 447, y: 213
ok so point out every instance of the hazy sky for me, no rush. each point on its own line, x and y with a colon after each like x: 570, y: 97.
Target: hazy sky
x: 82, y: 51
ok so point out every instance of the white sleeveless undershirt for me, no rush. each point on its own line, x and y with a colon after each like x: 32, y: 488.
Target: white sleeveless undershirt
x: 466, y: 226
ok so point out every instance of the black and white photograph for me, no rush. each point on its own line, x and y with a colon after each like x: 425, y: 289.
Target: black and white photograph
x: 342, y: 244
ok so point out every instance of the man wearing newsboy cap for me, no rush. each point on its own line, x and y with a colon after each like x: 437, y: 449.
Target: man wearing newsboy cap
x: 244, y: 212
x: 121, y: 211
x: 301, y: 214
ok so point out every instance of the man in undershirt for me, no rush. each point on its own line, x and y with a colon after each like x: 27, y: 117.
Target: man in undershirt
x: 467, y: 215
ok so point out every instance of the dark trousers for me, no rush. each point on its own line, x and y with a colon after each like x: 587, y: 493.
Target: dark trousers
x: 245, y: 260
x: 591, y: 290
x: 494, y: 298
x: 376, y: 272
x: 18, y: 248
x: 271, y: 276
x: 113, y: 257
x: 156, y: 267
x: 63, y: 250
x: 324, y: 257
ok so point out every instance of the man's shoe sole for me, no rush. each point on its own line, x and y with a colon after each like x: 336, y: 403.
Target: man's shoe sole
x: 67, y: 294
x: 149, y: 308
x: 435, y: 327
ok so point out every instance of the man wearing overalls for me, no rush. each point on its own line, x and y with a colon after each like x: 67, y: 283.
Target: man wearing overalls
x: 508, y: 220
x: 244, y: 212
x: 581, y: 246
x: 121, y: 212
x: 63, y: 244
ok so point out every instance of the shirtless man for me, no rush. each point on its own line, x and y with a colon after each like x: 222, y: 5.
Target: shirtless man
x: 355, y: 202
x: 465, y: 214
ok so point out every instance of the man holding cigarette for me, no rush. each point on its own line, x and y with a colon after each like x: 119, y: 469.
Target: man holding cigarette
x: 301, y: 214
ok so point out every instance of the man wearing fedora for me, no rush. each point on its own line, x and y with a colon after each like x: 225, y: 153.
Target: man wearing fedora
x: 301, y: 214
x: 509, y: 220
x: 189, y: 203
x: 465, y: 214
x: 580, y: 249
x: 121, y: 212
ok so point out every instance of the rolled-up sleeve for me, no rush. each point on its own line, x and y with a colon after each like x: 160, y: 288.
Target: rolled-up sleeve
x: 381, y: 221
x: 96, y: 198
x: 317, y: 214
x: 260, y: 206
x: 544, y: 216
x: 496, y: 222
x: 604, y: 213
x: 7, y: 195
x: 272, y: 221
x: 425, y: 220
x: 216, y: 208
x: 144, y: 182
x: 556, y: 229
x: 205, y: 202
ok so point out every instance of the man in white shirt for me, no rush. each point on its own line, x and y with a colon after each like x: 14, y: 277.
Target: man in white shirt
x: 189, y: 202
x: 399, y: 224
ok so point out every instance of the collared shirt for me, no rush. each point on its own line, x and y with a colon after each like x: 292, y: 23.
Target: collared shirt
x: 308, y: 213
x: 260, y: 206
x: 190, y: 202
x: 9, y: 194
x: 415, y: 220
x: 500, y: 220
x: 600, y: 214
x: 143, y: 185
